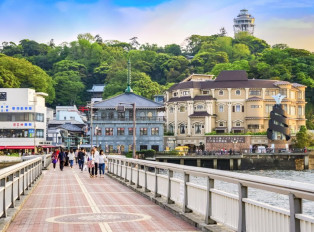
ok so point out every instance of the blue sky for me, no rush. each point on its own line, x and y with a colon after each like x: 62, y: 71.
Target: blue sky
x: 154, y: 21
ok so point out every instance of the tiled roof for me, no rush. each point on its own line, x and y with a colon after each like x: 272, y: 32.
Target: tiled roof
x: 70, y: 127
x: 282, y: 83
x: 233, y: 75
x: 176, y: 99
x: 199, y: 114
x: 296, y: 85
x: 60, y: 122
x: 128, y: 98
x: 203, y: 97
x: 97, y: 88
x: 254, y: 99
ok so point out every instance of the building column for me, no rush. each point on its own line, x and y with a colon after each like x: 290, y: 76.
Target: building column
x: 189, y: 106
x: 206, y: 124
x: 246, y: 93
x: 229, y: 123
x: 175, y: 119
x: 167, y: 116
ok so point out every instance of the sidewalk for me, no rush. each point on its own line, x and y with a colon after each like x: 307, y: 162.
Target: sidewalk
x: 71, y: 201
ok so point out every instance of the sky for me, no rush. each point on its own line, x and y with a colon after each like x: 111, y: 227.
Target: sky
x: 154, y: 21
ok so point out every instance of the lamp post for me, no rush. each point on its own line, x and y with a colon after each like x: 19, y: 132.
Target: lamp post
x: 91, y: 125
x: 134, y: 125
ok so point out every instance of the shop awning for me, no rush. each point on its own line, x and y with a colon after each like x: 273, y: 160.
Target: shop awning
x: 17, y: 147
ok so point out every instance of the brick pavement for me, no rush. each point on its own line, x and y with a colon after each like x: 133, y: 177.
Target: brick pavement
x: 72, y: 201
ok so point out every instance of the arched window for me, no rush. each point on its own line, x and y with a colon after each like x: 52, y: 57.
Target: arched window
x: 198, y: 128
x: 149, y: 114
x: 171, y: 109
x: 221, y: 92
x: 182, y: 129
x: 238, y: 92
x: 110, y: 115
x: 221, y: 124
x: 182, y: 109
x: 200, y: 107
x: 221, y: 108
x: 170, y: 128
x: 238, y: 124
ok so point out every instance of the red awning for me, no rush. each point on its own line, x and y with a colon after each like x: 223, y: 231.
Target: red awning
x: 16, y: 147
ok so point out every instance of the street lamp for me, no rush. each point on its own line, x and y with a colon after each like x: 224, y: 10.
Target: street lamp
x: 121, y: 108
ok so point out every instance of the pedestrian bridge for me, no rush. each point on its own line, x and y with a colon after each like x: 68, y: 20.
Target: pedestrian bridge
x: 125, y: 200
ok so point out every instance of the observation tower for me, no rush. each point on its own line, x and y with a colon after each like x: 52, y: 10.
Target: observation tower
x: 244, y: 22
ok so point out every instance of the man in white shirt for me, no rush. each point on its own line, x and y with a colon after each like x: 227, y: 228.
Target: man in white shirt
x: 96, y: 160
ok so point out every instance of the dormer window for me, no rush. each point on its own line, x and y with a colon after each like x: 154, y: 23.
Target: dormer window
x: 185, y: 93
x: 221, y: 92
x: 238, y: 92
x: 205, y: 92
x: 175, y: 94
x: 199, y: 107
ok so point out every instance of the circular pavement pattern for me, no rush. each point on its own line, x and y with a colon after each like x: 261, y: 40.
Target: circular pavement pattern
x: 90, y: 218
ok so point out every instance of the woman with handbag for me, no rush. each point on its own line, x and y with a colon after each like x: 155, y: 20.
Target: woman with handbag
x: 91, y: 164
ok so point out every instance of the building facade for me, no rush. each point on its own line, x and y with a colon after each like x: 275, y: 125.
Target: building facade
x: 113, y: 130
x: 22, y: 119
x: 231, y: 103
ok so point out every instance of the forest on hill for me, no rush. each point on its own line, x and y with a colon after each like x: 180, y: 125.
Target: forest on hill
x: 67, y: 70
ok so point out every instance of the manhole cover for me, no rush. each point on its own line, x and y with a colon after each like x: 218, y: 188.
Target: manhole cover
x: 98, y: 218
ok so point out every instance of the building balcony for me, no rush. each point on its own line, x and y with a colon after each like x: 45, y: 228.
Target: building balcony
x: 129, y: 119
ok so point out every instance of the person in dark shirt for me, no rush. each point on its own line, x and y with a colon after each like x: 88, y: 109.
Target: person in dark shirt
x: 61, y: 158
x: 81, y: 157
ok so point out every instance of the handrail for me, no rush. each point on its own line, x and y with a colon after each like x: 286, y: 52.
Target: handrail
x: 297, y: 191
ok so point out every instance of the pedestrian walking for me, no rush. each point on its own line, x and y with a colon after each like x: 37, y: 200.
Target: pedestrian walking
x: 76, y: 156
x: 91, y: 164
x: 66, y: 163
x: 96, y: 153
x: 54, y: 158
x: 71, y: 157
x: 81, y: 158
x: 61, y: 158
x: 101, y: 163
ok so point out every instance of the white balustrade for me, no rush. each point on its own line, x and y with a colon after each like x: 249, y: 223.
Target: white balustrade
x: 237, y: 211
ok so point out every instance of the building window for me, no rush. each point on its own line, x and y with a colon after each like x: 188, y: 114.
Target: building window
x: 300, y: 111
x: 205, y: 92
x: 221, y: 108
x: 199, y: 107
x: 238, y: 124
x: 21, y: 133
x: 155, y: 131
x: 292, y: 94
x: 170, y: 128
x: 253, y: 126
x: 155, y: 147
x: 238, y: 108
x: 300, y: 95
x: 143, y: 147
x: 110, y: 115
x: 256, y: 106
x: 109, y: 131
x: 120, y: 131
x: 130, y: 131
x: 171, y: 109
x: 221, y: 92
x: 149, y: 114
x: 285, y: 108
x: 292, y: 110
x: 175, y: 94
x: 103, y: 115
x: 182, y: 129
x: 269, y: 108
x: 98, y: 131
x: 221, y: 124
x: 185, y: 93
x: 198, y: 128
x: 121, y: 115
x: 283, y: 92
x: 255, y: 92
x: 143, y: 131
x: 238, y: 92
x: 182, y: 109
x: 270, y: 92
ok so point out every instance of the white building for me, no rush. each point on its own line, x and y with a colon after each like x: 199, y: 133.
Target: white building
x: 22, y: 116
x: 68, y: 113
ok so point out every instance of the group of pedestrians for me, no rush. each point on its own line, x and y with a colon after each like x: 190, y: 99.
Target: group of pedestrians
x: 94, y: 162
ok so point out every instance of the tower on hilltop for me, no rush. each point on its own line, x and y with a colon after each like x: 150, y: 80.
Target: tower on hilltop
x: 244, y: 22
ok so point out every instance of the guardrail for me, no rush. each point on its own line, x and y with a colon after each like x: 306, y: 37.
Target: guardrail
x: 46, y: 159
x: 14, y: 180
x: 238, y: 212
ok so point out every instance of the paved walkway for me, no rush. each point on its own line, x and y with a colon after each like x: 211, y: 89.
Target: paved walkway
x: 71, y: 201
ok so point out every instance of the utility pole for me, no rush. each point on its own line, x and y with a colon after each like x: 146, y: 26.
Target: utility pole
x: 91, y: 126
x: 134, y: 130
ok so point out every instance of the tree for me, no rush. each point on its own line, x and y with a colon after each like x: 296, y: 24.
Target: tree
x: 173, y: 49
x: 7, y: 79
x: 303, y: 139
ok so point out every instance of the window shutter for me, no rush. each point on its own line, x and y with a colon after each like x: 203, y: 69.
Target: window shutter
x: 233, y: 108
x: 242, y: 108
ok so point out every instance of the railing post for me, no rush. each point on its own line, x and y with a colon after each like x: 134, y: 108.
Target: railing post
x: 126, y: 172
x: 3, y: 184
x: 131, y: 174
x: 209, y: 185
x: 23, y: 172
x: 243, y: 193
x: 186, y: 179
x: 18, y: 185
x: 156, y: 183
x: 170, y: 175
x: 121, y: 169
x: 295, y: 208
x: 11, y: 178
x: 138, y: 176
x: 145, y: 179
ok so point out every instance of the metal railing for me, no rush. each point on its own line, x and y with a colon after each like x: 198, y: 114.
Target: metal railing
x: 14, y: 180
x: 237, y: 211
x: 45, y: 159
